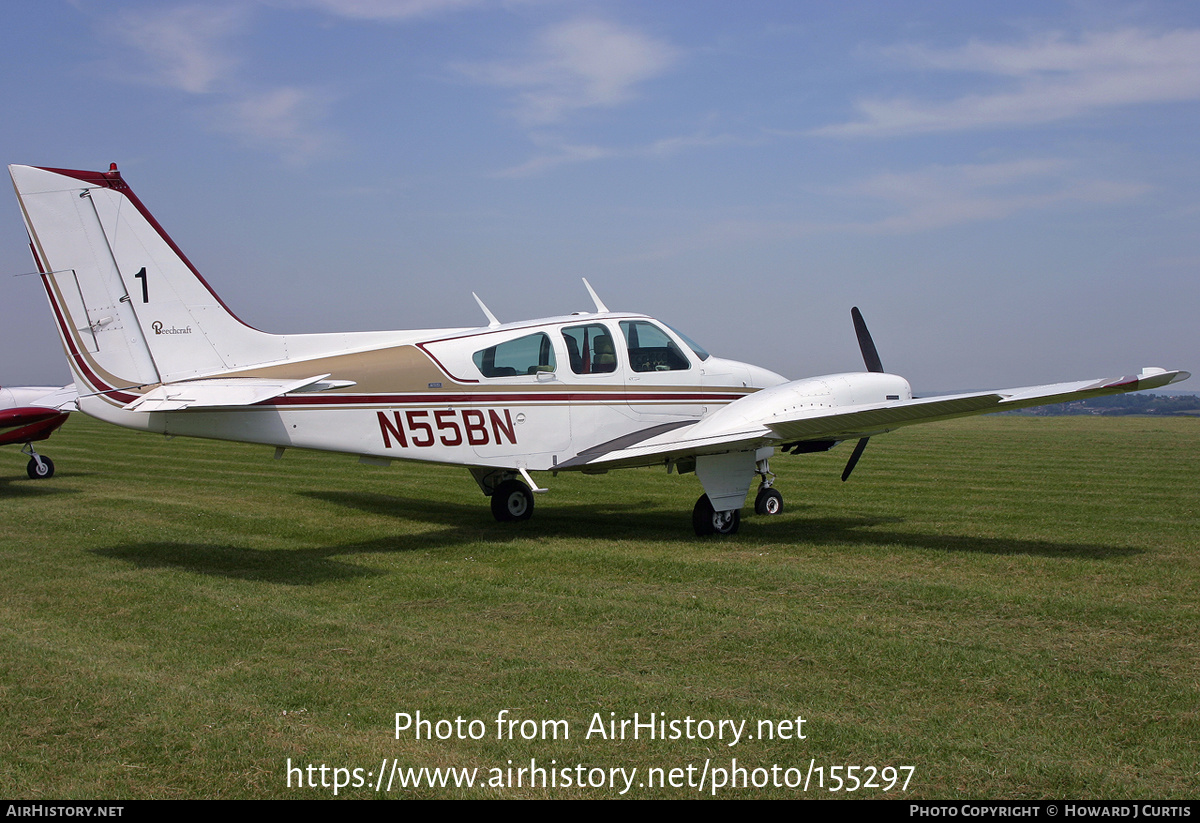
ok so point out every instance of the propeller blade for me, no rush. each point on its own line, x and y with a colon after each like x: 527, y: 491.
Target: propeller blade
x: 865, y: 343
x: 853, y: 461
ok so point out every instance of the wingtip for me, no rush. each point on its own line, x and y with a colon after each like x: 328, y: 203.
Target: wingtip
x: 1152, y: 377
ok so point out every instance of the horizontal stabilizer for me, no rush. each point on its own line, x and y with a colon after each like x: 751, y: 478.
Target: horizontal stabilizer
x: 226, y: 391
x: 63, y: 399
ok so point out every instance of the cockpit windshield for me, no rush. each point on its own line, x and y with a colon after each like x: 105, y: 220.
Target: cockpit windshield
x: 692, y: 344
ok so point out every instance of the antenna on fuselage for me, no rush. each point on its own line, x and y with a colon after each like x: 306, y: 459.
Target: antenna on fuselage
x: 492, y: 321
x: 600, y: 307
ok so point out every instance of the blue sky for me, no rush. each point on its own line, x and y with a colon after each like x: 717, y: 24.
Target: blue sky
x: 1009, y: 192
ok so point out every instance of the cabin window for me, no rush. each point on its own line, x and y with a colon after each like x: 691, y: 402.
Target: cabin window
x: 650, y: 349
x: 525, y: 355
x: 590, y: 349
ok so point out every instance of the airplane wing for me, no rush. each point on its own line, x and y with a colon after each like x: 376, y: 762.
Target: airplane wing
x: 780, y: 416
x: 226, y: 391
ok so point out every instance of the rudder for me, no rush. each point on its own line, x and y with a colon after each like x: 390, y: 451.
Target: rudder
x: 130, y: 307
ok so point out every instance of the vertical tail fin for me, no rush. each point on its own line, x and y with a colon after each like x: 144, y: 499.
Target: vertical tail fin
x: 130, y: 307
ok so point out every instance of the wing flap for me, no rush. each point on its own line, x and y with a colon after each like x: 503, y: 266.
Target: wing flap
x: 865, y: 422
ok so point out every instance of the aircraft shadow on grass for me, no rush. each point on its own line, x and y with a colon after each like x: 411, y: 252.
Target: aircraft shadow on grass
x: 297, y: 567
x: 459, y: 525
x: 18, y: 486
x: 639, y: 519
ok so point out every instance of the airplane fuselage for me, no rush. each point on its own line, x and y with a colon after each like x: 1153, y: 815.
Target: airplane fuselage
x: 527, y: 395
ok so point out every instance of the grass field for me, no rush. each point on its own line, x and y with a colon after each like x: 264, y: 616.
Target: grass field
x: 1007, y: 605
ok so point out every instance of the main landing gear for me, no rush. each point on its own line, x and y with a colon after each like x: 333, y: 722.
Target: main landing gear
x: 512, y: 501
x: 708, y: 521
x: 39, y: 467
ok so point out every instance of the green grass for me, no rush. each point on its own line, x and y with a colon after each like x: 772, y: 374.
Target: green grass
x: 1008, y: 605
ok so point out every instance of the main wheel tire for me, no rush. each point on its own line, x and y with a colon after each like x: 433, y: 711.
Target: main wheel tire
x: 512, y: 501
x: 43, y: 471
x: 707, y: 521
x: 768, y: 501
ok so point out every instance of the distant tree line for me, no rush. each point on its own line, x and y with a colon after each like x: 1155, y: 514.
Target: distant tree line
x: 1117, y: 404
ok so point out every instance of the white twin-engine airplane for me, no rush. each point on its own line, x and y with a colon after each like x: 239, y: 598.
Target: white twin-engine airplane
x: 152, y: 347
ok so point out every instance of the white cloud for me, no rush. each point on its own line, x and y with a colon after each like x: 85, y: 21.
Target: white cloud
x: 577, y: 65
x: 387, y: 9
x: 932, y: 198
x: 557, y: 153
x: 287, y: 119
x: 191, y: 49
x: 1049, y: 78
x: 182, y: 48
x: 941, y: 196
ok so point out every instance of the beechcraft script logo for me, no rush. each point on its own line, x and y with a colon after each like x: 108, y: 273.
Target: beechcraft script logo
x: 158, y: 329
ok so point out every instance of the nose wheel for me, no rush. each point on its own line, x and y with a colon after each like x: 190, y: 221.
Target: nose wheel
x: 39, y: 467
x: 768, y: 501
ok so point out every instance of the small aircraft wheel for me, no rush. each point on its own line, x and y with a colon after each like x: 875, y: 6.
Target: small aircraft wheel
x: 40, y: 472
x: 768, y: 501
x: 706, y: 520
x: 512, y: 501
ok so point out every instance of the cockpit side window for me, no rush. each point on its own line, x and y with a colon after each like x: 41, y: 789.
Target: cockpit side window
x: 590, y: 349
x: 525, y: 355
x: 650, y: 349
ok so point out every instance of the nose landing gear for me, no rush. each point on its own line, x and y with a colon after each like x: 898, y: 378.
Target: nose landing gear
x: 39, y: 467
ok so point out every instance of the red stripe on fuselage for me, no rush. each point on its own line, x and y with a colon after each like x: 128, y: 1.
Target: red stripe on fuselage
x: 606, y: 398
